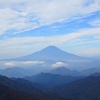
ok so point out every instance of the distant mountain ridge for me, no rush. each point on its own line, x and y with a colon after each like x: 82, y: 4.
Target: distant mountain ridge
x: 65, y: 71
x: 15, y: 72
x: 51, y: 80
x: 48, y: 53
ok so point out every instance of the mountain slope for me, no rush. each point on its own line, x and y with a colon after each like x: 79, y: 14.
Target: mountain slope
x: 20, y: 89
x: 18, y: 84
x: 9, y: 94
x: 83, y: 89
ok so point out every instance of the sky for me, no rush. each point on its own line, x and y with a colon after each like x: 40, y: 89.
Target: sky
x: 27, y: 26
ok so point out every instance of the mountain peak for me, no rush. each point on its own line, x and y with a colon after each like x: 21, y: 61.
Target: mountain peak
x: 51, y: 47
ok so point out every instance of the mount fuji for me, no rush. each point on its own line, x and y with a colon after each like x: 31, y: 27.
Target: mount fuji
x: 49, y: 53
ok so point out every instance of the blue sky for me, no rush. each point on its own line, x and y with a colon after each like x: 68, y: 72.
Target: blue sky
x: 27, y: 26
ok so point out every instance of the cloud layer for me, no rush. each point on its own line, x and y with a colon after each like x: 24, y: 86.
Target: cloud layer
x: 18, y: 16
x: 24, y: 64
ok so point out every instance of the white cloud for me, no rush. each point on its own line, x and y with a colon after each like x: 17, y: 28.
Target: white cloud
x: 12, y: 20
x: 21, y: 15
x: 32, y: 62
x: 7, y: 64
x: 95, y: 22
x: 59, y: 64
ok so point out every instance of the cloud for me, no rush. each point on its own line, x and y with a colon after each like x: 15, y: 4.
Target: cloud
x: 32, y: 62
x: 13, y: 21
x: 95, y: 22
x: 17, y: 16
x: 59, y: 64
x: 7, y: 64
